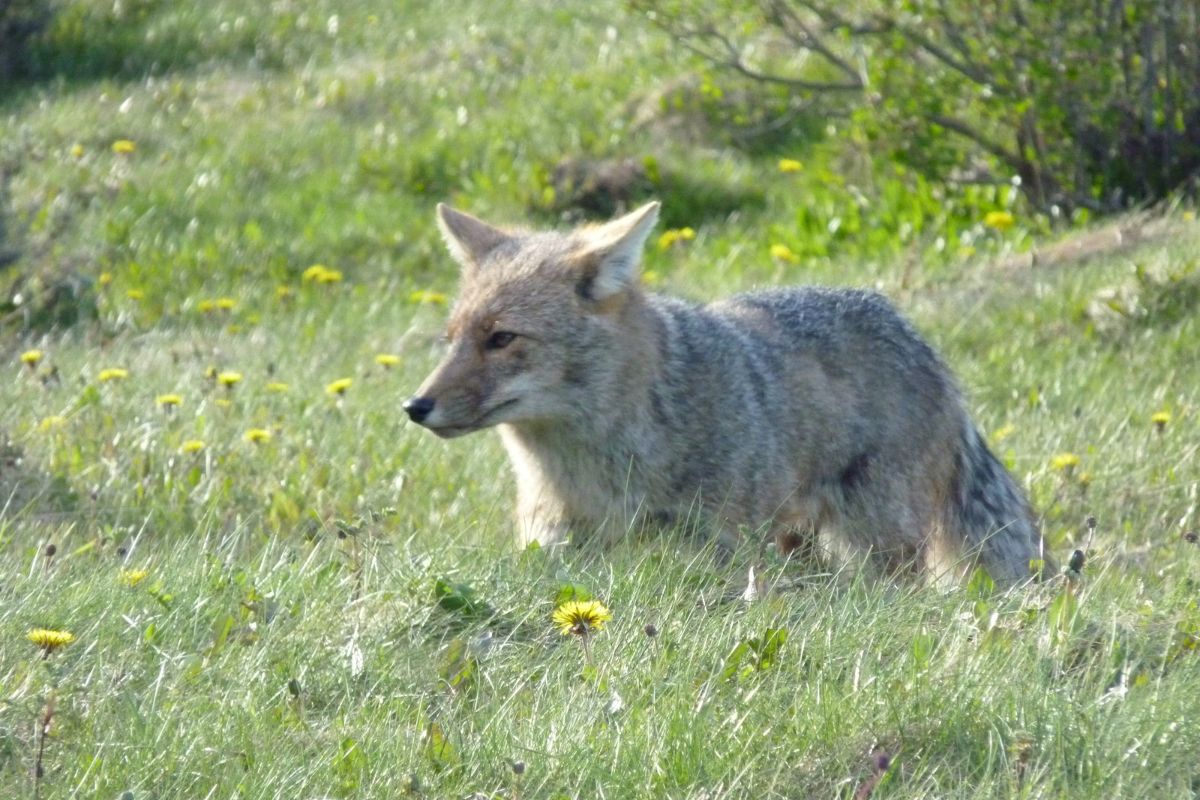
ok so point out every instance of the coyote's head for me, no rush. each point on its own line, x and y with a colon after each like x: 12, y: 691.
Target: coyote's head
x: 538, y: 317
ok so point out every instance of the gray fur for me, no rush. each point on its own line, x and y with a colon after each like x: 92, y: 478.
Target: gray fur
x: 803, y: 411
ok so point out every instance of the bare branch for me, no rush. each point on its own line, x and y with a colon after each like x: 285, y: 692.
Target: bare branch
x: 952, y: 32
x: 835, y: 21
x: 967, y: 70
x: 1010, y: 157
x: 735, y: 61
x: 808, y: 39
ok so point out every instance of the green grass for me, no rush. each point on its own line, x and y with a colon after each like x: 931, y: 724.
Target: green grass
x: 306, y: 629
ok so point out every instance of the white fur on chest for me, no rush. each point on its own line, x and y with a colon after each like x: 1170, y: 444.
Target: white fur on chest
x: 563, y: 481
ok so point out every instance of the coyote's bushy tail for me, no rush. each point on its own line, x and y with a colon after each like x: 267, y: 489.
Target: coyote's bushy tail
x: 996, y: 522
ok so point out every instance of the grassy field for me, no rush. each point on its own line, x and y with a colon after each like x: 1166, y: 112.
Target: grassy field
x: 279, y: 590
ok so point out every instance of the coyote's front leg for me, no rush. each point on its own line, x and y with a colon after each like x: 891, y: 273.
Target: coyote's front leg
x: 545, y: 531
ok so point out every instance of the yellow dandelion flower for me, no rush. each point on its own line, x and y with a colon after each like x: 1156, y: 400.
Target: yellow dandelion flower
x: 53, y: 422
x: 387, y: 360
x: 313, y: 272
x: 257, y: 435
x: 229, y: 379
x: 169, y: 401
x: 283, y: 292
x: 50, y: 640
x: 191, y: 446
x: 581, y: 617
x: 1002, y: 433
x: 277, y: 387
x: 76, y: 151
x: 782, y: 252
x: 670, y: 237
x: 422, y: 296
x: 112, y: 374
x: 1160, y: 419
x: 319, y: 273
x: 206, y: 306
x: 339, y: 386
x: 137, y: 295
x: 31, y: 358
x: 651, y: 277
x: 226, y: 303
x: 1064, y: 462
x: 999, y: 220
x: 132, y: 577
x: 790, y: 165
x: 124, y: 147
x: 105, y: 278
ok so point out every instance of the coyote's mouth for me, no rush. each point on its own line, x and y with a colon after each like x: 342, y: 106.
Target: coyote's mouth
x: 482, y: 421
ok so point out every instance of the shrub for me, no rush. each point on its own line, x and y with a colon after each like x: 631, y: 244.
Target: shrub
x: 20, y: 22
x: 1085, y: 103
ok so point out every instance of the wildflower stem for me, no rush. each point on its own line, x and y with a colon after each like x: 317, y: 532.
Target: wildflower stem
x: 43, y: 727
x: 586, y: 640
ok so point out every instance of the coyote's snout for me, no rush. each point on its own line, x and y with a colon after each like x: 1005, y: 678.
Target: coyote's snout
x: 802, y: 411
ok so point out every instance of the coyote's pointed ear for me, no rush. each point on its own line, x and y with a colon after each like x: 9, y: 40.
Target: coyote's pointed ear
x: 612, y: 253
x: 468, y: 238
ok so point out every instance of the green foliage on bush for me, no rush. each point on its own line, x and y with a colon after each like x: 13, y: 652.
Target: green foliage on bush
x: 20, y: 22
x: 1087, y: 105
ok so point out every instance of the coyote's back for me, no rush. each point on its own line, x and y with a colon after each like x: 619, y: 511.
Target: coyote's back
x: 804, y: 412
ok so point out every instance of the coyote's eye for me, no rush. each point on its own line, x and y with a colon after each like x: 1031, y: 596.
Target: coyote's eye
x: 499, y: 340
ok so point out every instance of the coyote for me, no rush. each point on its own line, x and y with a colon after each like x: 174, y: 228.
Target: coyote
x: 796, y: 412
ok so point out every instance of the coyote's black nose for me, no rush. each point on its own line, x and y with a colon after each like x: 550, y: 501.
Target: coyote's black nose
x: 418, y: 408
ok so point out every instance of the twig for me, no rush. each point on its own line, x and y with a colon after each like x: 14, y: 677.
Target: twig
x: 43, y: 728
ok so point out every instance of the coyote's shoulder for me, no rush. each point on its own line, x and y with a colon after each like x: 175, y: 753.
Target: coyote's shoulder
x: 798, y: 411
